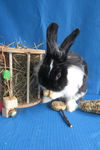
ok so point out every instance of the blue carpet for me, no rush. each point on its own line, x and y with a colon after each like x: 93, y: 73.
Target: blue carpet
x: 40, y: 128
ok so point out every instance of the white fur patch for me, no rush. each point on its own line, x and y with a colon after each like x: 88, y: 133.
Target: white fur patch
x: 71, y: 106
x: 75, y: 81
x: 46, y: 99
x: 51, y: 66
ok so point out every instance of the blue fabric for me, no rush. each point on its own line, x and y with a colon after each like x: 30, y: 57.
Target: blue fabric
x: 26, y: 22
x: 40, y: 128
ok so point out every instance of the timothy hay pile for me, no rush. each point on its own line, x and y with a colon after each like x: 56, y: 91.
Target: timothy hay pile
x: 20, y: 77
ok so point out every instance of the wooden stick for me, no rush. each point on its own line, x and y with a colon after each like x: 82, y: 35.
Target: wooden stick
x: 28, y: 77
x: 38, y: 84
x: 23, y: 50
x: 0, y: 87
x: 29, y: 104
x: 66, y: 119
x: 11, y: 73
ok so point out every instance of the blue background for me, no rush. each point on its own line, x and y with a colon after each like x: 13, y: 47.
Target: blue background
x: 25, y: 21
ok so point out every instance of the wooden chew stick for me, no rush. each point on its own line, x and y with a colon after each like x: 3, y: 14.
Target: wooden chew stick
x: 66, y: 119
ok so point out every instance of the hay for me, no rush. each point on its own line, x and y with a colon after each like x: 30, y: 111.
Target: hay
x: 20, y: 76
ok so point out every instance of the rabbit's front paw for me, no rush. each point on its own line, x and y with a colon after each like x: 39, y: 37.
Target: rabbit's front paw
x: 71, y: 106
x: 46, y: 99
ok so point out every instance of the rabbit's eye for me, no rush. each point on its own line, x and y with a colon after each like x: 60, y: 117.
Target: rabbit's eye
x: 58, y: 75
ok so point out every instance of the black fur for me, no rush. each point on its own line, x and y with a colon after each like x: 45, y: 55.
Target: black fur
x: 67, y: 43
x: 52, y: 38
x: 49, y: 81
x: 61, y: 57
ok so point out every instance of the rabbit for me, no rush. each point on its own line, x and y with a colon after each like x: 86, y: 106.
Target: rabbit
x: 63, y: 71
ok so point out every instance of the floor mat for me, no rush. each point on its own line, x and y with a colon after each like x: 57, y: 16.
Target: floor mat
x: 40, y: 128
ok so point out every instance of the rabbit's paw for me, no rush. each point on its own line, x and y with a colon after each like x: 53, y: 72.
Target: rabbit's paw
x: 71, y: 105
x: 46, y: 99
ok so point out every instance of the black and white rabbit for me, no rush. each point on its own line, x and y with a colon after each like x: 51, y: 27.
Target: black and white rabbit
x: 63, y: 71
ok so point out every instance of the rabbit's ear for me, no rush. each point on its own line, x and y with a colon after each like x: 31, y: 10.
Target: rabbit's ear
x: 52, y: 37
x: 68, y: 41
